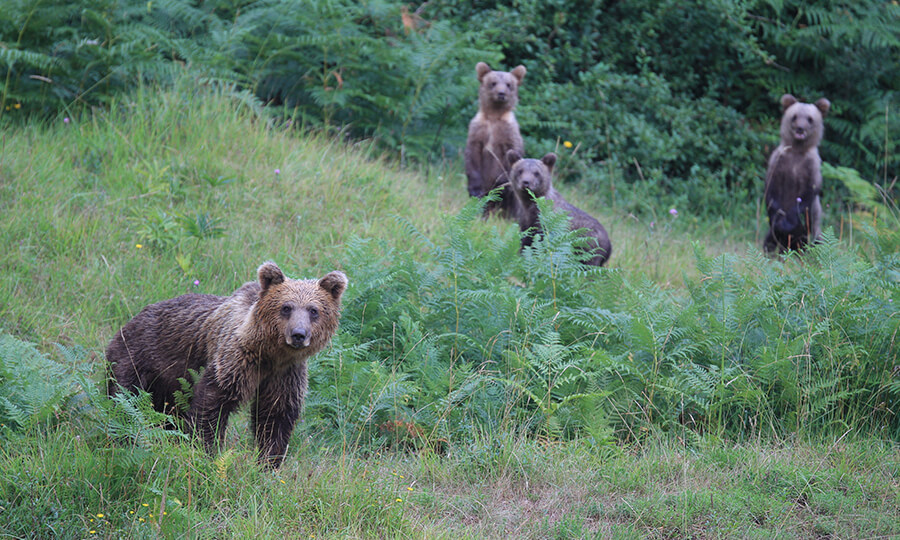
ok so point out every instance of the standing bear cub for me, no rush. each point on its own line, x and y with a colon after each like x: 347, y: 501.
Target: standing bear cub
x: 794, y: 177
x: 533, y: 176
x: 254, y: 345
x: 492, y: 133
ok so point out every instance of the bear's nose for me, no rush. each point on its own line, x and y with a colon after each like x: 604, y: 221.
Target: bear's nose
x: 299, y: 337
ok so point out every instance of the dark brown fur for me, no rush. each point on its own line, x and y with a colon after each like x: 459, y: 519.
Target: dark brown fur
x: 492, y: 133
x: 254, y: 345
x: 533, y: 176
x: 794, y: 177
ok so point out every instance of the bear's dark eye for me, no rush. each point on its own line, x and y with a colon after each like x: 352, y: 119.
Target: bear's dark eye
x: 286, y: 310
x: 313, y: 313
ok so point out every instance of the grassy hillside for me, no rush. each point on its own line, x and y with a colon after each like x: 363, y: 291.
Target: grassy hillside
x: 694, y: 389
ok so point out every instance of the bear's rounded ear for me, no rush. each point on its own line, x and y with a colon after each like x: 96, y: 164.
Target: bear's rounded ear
x: 549, y: 160
x: 269, y: 274
x: 482, y: 69
x: 786, y: 101
x: 519, y: 73
x: 824, y: 106
x: 335, y: 283
x: 512, y: 156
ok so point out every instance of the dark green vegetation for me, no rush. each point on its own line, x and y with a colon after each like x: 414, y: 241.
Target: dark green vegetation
x: 692, y: 389
x: 671, y: 100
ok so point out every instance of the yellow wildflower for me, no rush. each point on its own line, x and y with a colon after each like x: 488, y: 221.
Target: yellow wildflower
x: 567, y: 144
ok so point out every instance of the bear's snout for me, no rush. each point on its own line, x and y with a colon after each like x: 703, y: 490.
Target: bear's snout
x: 300, y: 336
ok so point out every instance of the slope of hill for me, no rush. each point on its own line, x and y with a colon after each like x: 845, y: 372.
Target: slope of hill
x: 694, y: 388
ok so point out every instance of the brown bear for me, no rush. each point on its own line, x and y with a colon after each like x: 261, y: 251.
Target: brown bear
x: 492, y: 133
x: 533, y: 176
x: 794, y: 177
x: 253, y: 345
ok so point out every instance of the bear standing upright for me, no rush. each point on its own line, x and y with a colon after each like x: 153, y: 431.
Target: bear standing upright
x: 254, y: 345
x: 492, y: 133
x: 794, y: 177
x: 535, y: 176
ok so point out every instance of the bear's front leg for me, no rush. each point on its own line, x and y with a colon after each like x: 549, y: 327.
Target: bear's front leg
x: 275, y: 411
x: 210, y: 408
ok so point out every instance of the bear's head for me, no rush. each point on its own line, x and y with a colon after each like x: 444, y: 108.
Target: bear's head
x: 528, y: 174
x: 499, y: 90
x: 801, y: 123
x: 300, y: 314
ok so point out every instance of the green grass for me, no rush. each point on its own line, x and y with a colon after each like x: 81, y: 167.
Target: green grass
x: 189, y: 175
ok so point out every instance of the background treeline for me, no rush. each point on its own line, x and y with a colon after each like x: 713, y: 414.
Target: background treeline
x: 663, y: 100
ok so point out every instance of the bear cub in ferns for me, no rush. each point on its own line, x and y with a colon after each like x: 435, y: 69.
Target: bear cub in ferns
x: 254, y: 345
x: 492, y: 133
x: 794, y: 177
x: 533, y: 176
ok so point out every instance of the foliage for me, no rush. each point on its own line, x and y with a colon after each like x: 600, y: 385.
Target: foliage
x: 472, y: 336
x: 673, y: 100
x: 848, y: 52
x: 370, y: 68
x: 33, y: 389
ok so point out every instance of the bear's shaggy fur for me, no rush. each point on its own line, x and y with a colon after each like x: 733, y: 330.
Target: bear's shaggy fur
x: 253, y: 345
x: 794, y: 177
x: 492, y: 133
x: 533, y: 176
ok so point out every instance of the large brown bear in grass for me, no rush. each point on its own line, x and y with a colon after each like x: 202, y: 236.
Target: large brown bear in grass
x: 533, y: 176
x: 253, y: 345
x: 794, y: 177
x: 492, y: 133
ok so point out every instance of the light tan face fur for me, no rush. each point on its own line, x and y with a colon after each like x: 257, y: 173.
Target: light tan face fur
x: 802, y: 123
x: 533, y: 175
x: 304, y: 312
x: 499, y: 89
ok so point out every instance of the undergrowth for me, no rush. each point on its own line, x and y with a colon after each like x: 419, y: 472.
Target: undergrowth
x: 472, y: 335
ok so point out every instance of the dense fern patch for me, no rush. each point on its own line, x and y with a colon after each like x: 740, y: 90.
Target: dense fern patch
x: 475, y: 336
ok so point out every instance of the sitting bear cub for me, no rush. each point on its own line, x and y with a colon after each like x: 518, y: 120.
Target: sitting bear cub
x: 534, y: 176
x: 254, y: 345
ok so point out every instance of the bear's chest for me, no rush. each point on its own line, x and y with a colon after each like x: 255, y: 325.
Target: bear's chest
x: 501, y: 134
x: 795, y: 170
